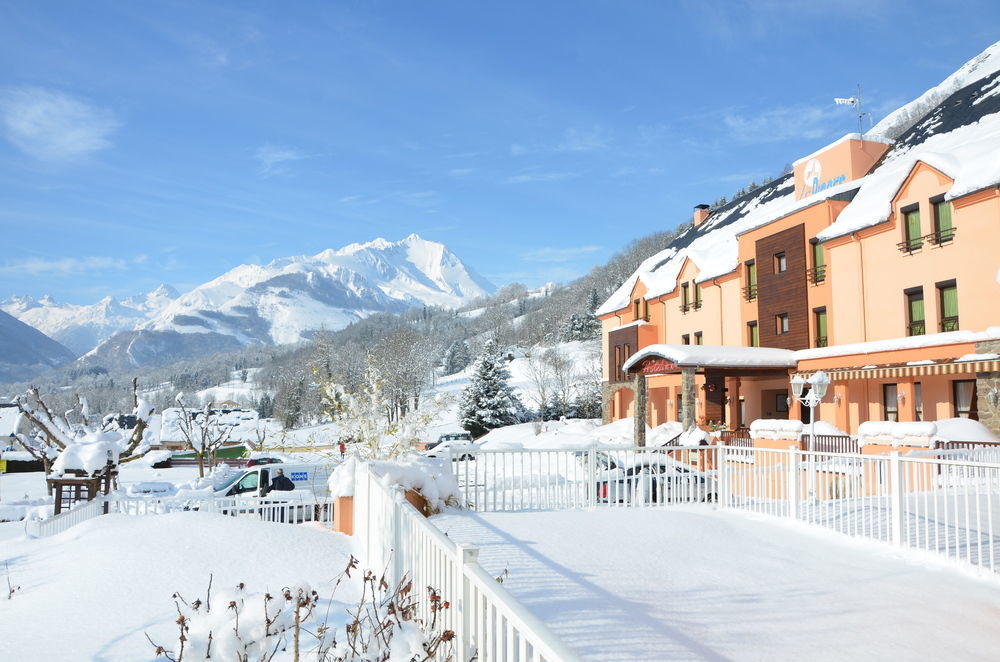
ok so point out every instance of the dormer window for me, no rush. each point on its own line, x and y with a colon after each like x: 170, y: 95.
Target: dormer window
x: 685, y: 298
x: 944, y: 231
x: 912, y: 239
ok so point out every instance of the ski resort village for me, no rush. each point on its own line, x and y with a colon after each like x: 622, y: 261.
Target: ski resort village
x: 454, y: 332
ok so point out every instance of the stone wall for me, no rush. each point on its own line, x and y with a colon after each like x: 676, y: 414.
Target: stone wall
x: 987, y: 383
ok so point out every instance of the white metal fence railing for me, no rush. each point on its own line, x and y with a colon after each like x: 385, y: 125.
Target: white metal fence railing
x: 948, y: 505
x: 489, y: 624
x: 611, y: 476
x: 265, y: 509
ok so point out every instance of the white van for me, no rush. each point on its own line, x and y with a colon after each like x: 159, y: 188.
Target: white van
x: 309, y: 479
x: 249, y: 493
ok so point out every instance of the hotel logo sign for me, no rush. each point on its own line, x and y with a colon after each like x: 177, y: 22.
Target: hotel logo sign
x: 812, y: 177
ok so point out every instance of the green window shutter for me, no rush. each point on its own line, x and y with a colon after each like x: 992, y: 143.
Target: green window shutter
x: 821, y: 324
x: 818, y: 258
x: 697, y: 295
x: 916, y: 309
x: 754, y: 337
x: 752, y: 275
x: 912, y: 226
x: 943, y: 213
x: 949, y: 301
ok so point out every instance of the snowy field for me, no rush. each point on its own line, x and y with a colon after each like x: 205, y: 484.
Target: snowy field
x: 92, y: 592
x: 694, y: 583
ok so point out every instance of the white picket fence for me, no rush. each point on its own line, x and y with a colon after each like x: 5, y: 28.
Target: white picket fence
x: 264, y: 509
x: 948, y: 507
x: 489, y: 624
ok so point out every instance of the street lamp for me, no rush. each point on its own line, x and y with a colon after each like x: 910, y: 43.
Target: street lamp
x: 818, y: 384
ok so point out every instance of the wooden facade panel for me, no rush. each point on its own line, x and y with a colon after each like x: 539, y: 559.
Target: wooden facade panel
x: 622, y: 343
x: 783, y: 292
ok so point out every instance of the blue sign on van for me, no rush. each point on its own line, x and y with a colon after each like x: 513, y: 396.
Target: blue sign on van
x: 299, y: 475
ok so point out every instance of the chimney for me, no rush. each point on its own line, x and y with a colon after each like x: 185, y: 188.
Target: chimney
x: 700, y: 214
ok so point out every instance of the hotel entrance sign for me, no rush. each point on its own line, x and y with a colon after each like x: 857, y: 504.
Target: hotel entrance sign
x: 657, y: 366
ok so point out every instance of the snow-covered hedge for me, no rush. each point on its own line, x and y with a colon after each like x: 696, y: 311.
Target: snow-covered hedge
x: 432, y: 477
x: 776, y: 428
x: 888, y: 433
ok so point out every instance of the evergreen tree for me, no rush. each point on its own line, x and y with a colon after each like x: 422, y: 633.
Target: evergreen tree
x: 581, y: 326
x: 457, y: 357
x: 489, y: 401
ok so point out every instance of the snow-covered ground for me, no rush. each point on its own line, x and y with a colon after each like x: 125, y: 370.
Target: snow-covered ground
x: 695, y: 583
x: 94, y: 591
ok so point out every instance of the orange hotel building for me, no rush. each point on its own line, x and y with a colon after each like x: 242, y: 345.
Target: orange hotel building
x: 876, y: 261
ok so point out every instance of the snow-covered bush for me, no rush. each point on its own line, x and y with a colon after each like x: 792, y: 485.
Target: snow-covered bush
x: 916, y: 433
x: 431, y: 477
x: 776, y: 428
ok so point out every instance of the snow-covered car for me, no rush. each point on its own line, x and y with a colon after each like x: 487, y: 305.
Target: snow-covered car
x: 457, y: 445
x: 652, y: 478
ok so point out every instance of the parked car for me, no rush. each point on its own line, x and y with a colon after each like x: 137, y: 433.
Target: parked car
x: 455, y: 442
x: 256, y: 461
x: 310, y: 490
x: 653, y: 479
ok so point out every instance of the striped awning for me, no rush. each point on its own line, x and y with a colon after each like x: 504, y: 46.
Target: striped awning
x: 896, y: 371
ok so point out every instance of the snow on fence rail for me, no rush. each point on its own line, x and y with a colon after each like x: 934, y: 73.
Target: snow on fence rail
x: 264, y: 509
x: 948, y: 505
x: 490, y: 625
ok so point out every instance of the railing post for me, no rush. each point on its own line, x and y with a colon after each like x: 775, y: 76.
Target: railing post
x: 722, y: 498
x: 396, y: 534
x: 793, y: 482
x: 896, y: 488
x: 591, y: 486
x: 465, y: 617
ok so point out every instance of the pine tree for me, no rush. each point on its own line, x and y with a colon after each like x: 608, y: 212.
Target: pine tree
x: 457, y: 357
x: 489, y: 400
x: 581, y: 326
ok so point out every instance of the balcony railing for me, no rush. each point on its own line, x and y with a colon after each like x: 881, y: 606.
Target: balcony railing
x: 910, y: 245
x: 816, y: 274
x: 685, y: 307
x: 949, y: 323
x: 697, y: 304
x: 941, y: 236
x: 750, y: 292
x: 916, y: 328
x: 821, y: 341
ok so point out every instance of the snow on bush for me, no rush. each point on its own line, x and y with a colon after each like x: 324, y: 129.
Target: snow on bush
x: 889, y: 433
x: 963, y: 429
x: 776, y: 428
x: 432, y: 477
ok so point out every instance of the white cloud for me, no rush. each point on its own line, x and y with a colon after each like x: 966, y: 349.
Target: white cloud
x: 549, y: 254
x: 787, y: 123
x: 53, y: 126
x: 71, y: 265
x: 539, y: 176
x: 272, y: 159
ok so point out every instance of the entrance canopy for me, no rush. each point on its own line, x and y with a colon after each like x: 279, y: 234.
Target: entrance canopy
x: 662, y: 359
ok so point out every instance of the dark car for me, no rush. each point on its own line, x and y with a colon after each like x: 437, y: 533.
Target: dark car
x: 255, y: 461
x: 658, y: 480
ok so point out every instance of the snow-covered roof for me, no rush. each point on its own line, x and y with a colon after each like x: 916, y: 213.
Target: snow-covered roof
x: 720, y: 356
x: 907, y: 342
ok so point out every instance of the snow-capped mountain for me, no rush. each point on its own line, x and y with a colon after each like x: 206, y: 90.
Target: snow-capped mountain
x: 83, y: 327
x: 289, y: 299
x: 26, y: 352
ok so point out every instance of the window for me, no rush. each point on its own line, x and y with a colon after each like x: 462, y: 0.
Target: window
x: 781, y: 402
x: 685, y: 298
x: 912, y: 239
x: 780, y: 263
x: 686, y: 339
x: 819, y: 315
x: 750, y: 291
x: 890, y: 402
x: 818, y: 272
x: 753, y: 334
x: 948, y: 305
x: 915, y: 312
x: 697, y: 338
x: 781, y: 324
x: 627, y: 353
x: 636, y: 307
x: 964, y: 399
x: 918, y: 400
x: 944, y: 231
x: 697, y: 296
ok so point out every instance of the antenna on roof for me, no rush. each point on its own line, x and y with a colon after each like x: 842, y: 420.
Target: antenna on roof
x: 855, y: 101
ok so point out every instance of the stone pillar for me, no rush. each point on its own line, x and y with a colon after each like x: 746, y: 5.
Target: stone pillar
x: 639, y: 386
x: 988, y: 383
x: 606, y: 395
x: 690, y: 400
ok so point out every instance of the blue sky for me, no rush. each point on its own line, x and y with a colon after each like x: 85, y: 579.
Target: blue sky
x: 169, y: 142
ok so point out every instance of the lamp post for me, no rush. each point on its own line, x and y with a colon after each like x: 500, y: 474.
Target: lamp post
x: 818, y: 384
